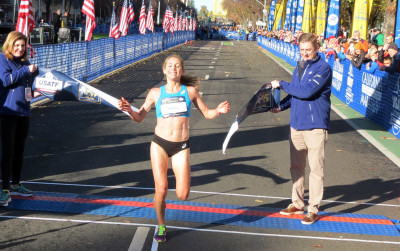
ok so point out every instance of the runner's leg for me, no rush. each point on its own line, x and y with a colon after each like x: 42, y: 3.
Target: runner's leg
x: 159, y: 164
x: 180, y: 163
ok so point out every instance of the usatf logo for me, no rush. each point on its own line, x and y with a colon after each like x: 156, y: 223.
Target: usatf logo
x: 48, y: 83
x: 88, y: 95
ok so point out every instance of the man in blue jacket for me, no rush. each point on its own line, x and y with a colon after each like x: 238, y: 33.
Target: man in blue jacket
x: 309, y: 100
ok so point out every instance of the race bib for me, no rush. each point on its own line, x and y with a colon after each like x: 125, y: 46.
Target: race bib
x: 173, y: 106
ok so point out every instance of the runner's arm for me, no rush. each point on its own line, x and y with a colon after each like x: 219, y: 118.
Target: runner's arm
x: 208, y: 113
x: 124, y: 105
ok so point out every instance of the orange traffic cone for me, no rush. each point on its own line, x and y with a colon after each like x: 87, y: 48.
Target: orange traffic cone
x: 191, y: 42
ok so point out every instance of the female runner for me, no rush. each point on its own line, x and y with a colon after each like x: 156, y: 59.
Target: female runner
x: 171, y: 134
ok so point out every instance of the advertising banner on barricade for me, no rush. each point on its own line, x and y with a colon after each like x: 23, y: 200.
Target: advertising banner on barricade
x: 58, y: 86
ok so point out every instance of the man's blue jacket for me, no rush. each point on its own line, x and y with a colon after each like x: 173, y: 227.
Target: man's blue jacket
x: 309, y: 95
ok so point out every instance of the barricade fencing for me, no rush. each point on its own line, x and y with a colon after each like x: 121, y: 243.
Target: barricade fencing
x: 88, y: 60
x: 105, y: 28
x: 376, y: 96
x: 234, y: 35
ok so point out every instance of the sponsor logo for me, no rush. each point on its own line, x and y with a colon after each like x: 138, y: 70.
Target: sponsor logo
x: 88, y: 95
x: 333, y: 19
x: 48, y: 83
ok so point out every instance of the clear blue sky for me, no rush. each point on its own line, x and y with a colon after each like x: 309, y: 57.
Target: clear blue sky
x: 208, y: 3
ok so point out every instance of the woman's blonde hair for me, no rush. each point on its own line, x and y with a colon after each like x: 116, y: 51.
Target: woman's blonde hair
x: 185, y: 79
x: 9, y: 43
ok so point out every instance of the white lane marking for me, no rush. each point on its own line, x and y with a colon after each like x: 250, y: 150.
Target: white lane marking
x: 215, y: 58
x: 365, y: 134
x: 211, y: 67
x: 201, y: 229
x: 211, y: 193
x: 207, y: 77
x: 139, y: 238
x: 213, y: 62
x: 154, y: 245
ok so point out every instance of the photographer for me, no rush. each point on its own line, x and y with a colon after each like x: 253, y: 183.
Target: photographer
x: 358, y: 40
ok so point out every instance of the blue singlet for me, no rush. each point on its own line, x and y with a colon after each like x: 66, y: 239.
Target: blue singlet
x: 173, y: 105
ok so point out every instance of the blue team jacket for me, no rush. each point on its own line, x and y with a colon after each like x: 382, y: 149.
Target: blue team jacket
x: 14, y: 77
x: 309, y: 95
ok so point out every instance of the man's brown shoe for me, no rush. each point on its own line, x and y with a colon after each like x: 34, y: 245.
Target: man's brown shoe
x: 291, y: 209
x: 310, y: 218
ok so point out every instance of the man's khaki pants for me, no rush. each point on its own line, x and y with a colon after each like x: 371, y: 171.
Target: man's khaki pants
x: 311, y: 144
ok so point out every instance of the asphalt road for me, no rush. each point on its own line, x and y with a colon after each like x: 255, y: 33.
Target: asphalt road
x: 96, y: 151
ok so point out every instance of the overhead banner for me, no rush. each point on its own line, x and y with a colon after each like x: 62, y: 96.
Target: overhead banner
x: 262, y: 101
x: 58, y: 86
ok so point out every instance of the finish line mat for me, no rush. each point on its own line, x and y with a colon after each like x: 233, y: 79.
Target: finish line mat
x: 204, y: 213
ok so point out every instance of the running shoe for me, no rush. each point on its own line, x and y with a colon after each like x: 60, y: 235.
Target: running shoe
x: 20, y: 190
x: 5, y: 198
x: 161, y: 235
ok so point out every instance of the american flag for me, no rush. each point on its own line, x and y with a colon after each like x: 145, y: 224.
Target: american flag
x: 25, y: 22
x: 123, y: 19
x: 114, y: 31
x: 176, y: 19
x: 180, y: 23
x: 150, y: 21
x: 187, y: 23
x: 142, y: 19
x: 88, y: 10
x: 131, y: 13
x: 168, y: 20
x: 183, y: 22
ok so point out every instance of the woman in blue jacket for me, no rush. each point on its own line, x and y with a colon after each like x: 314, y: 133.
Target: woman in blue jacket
x: 16, y: 78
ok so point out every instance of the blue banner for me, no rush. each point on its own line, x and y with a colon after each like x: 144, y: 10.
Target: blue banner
x: 286, y: 26
x: 332, y: 24
x: 293, y: 15
x: 271, y: 16
x: 299, y: 15
x: 397, y: 26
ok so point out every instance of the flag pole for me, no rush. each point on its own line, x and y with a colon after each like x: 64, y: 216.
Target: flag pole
x: 114, y: 38
x: 158, y: 17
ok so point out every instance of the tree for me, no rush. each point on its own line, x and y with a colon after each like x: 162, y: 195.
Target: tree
x: 203, y: 13
x: 243, y: 11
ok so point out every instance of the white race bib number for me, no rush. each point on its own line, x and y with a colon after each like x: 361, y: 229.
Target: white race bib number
x: 173, y: 106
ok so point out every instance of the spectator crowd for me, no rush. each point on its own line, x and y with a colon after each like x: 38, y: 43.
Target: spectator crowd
x: 377, y: 53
